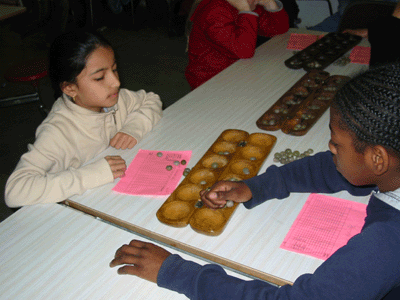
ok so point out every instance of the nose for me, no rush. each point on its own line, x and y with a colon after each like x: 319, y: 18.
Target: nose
x: 115, y: 80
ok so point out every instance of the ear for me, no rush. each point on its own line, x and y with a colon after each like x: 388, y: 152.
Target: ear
x: 379, y: 159
x: 69, y: 89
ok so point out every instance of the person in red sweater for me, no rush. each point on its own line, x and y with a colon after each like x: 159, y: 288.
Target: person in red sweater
x: 223, y: 31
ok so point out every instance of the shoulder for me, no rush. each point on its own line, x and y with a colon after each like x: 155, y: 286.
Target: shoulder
x: 59, y: 122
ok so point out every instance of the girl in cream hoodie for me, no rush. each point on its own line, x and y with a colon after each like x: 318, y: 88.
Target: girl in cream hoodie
x: 91, y: 114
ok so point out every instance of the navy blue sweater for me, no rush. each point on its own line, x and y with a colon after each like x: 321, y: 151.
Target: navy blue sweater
x: 368, y: 267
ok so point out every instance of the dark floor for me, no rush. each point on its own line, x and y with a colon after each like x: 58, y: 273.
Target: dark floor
x: 149, y: 58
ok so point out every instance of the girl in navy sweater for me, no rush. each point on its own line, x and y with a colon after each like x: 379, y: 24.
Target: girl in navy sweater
x: 364, y: 158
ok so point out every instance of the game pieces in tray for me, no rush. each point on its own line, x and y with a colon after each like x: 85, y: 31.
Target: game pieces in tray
x: 303, y: 104
x: 323, y: 52
x: 235, y: 155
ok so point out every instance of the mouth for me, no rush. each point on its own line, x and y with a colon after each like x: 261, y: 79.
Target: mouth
x: 114, y: 95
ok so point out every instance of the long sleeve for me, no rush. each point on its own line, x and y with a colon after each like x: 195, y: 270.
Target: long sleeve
x: 314, y: 174
x: 367, y: 268
x: 140, y: 112
x: 272, y: 23
x: 49, y: 172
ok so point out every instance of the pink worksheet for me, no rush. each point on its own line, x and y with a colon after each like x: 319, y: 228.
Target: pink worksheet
x: 153, y: 173
x: 360, y: 55
x: 324, y: 225
x: 300, y: 41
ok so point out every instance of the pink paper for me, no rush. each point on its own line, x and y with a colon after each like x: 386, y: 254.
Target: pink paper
x: 300, y: 41
x: 360, y: 55
x: 147, y: 175
x: 324, y: 225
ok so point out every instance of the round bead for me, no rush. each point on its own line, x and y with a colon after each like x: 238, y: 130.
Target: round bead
x: 229, y: 203
x: 214, y: 165
x: 169, y: 168
x: 176, y: 163
x: 183, y: 162
x: 159, y: 154
x: 246, y: 171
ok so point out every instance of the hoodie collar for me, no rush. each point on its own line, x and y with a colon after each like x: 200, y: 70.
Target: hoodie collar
x: 84, y: 111
x: 392, y: 198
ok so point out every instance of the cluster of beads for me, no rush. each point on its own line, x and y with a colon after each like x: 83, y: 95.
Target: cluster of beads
x: 224, y: 153
x: 176, y: 163
x: 271, y: 122
x: 300, y: 127
x: 288, y: 155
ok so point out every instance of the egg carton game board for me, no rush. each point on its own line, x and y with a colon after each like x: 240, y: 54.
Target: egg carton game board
x: 235, y: 155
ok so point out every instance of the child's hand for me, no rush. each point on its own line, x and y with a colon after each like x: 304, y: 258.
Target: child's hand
x: 117, y: 165
x: 141, y: 259
x: 223, y: 191
x: 360, y: 32
x: 268, y: 4
x: 240, y: 5
x: 123, y: 141
x: 396, y: 12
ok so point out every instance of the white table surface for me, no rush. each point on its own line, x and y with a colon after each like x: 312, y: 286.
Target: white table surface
x: 234, y: 99
x: 55, y: 252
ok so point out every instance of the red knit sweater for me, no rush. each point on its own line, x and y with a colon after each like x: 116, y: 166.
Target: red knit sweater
x: 220, y: 36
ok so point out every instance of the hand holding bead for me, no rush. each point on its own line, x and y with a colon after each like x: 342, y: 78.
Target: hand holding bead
x: 222, y: 191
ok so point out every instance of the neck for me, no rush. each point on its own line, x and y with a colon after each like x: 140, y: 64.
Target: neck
x: 389, y: 183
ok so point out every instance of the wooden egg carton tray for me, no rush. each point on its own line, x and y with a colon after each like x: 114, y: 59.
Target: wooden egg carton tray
x: 235, y: 155
x: 303, y: 104
x: 323, y: 52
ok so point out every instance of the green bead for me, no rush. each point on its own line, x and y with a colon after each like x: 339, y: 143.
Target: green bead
x: 176, y: 163
x: 159, y: 154
x: 183, y: 162
x: 169, y: 167
x: 246, y: 171
x: 214, y: 165
x: 277, y: 155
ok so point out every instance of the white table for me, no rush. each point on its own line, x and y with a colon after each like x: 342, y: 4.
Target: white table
x: 235, y: 98
x: 55, y: 252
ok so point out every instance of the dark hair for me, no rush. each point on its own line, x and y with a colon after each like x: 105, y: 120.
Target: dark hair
x: 369, y: 105
x: 68, y: 55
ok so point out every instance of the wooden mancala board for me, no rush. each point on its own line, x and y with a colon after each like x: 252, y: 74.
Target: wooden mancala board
x: 323, y: 52
x: 235, y: 155
x: 303, y: 104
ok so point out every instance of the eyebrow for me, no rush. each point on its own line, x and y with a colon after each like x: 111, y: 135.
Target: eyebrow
x: 103, y: 69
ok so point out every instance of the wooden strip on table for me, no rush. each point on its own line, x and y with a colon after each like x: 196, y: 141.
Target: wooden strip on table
x: 178, y: 245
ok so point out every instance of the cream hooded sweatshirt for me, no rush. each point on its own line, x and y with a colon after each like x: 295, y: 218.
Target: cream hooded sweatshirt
x: 54, y: 167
